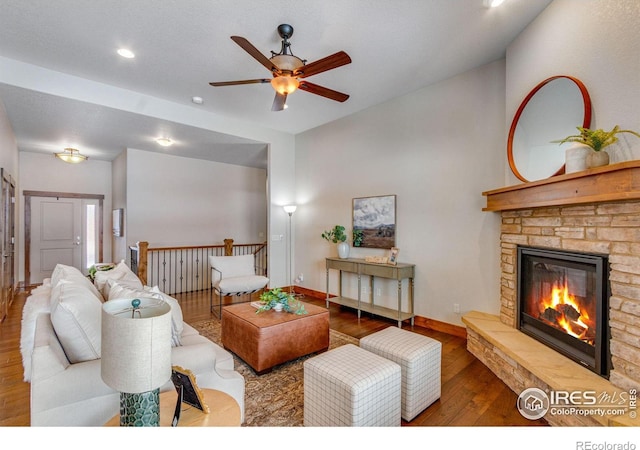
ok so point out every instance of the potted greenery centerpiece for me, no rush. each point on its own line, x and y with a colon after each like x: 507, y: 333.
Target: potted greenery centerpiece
x: 358, y: 237
x: 338, y: 236
x: 597, y: 140
x: 99, y: 268
x: 278, y: 300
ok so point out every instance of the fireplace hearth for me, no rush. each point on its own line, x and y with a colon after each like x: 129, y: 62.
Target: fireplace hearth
x: 563, y: 302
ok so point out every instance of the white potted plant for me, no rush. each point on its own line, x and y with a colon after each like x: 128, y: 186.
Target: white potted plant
x: 596, y: 140
x: 338, y: 236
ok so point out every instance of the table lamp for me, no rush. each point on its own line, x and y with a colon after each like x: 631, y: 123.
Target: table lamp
x: 136, y: 356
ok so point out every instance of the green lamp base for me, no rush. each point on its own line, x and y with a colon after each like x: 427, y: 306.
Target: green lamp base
x: 140, y: 410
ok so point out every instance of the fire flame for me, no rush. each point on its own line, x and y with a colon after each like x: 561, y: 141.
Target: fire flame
x: 560, y: 295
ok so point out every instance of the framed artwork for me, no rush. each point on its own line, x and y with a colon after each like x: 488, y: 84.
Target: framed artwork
x: 188, y: 391
x: 375, y: 219
x: 393, y: 257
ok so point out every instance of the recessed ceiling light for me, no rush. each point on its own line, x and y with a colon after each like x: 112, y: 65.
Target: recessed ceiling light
x: 165, y: 142
x: 125, y: 53
x: 197, y: 100
x: 492, y: 3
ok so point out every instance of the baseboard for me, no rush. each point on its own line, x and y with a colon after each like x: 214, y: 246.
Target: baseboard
x: 444, y: 327
x: 424, y: 322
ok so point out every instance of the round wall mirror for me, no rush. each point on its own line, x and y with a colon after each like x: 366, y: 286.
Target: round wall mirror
x: 550, y: 112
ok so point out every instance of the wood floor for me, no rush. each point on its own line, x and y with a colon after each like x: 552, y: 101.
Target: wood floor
x: 471, y: 394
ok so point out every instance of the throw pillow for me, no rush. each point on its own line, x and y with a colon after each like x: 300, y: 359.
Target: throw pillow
x: 121, y: 272
x: 76, y: 315
x: 70, y: 273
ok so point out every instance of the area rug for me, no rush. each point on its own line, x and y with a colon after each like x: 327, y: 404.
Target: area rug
x: 275, y: 399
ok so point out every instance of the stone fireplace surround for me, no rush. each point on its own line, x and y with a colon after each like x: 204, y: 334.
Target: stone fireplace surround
x: 595, y: 211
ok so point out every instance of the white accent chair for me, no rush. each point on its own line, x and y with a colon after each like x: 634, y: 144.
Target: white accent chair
x: 234, y: 276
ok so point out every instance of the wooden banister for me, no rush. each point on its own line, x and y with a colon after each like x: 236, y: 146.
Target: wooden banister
x: 142, y: 261
x: 186, y: 268
x: 228, y: 247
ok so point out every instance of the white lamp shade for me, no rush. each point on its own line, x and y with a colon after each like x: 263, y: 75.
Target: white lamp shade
x: 290, y: 208
x: 136, y: 352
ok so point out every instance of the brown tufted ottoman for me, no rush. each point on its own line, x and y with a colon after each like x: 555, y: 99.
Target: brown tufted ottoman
x: 270, y: 338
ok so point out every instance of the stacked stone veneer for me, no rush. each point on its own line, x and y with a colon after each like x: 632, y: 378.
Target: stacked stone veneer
x: 608, y: 228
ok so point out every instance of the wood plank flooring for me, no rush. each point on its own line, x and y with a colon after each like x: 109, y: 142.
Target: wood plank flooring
x: 471, y: 394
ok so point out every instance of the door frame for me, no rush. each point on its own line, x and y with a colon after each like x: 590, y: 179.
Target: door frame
x: 7, y: 203
x: 27, y: 223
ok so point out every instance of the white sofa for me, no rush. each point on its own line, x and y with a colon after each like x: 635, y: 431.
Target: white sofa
x: 60, y: 345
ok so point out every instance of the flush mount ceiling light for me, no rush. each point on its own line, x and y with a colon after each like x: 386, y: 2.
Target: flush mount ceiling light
x: 71, y: 155
x: 492, y: 3
x: 165, y: 142
x: 126, y: 53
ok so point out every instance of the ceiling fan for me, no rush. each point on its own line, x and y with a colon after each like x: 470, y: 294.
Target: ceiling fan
x: 289, y: 71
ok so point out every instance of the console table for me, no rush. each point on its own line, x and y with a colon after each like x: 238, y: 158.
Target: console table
x: 360, y: 267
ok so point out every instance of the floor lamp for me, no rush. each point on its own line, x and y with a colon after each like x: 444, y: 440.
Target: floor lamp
x: 290, y: 209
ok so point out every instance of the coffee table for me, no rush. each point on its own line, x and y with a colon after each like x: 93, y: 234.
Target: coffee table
x: 224, y: 411
x: 270, y: 338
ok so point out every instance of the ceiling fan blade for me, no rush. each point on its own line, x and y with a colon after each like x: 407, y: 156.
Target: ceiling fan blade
x: 232, y: 83
x: 322, y: 65
x: 279, y: 102
x: 249, y: 48
x: 323, y: 91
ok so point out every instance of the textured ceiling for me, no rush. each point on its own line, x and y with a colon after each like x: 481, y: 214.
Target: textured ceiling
x: 181, y: 45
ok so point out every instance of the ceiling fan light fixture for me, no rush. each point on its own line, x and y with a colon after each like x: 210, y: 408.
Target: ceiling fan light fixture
x: 71, y: 156
x: 285, y: 84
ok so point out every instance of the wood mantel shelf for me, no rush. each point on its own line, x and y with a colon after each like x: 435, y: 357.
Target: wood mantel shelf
x: 615, y: 182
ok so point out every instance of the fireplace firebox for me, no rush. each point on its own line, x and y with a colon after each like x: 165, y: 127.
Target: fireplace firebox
x: 563, y: 300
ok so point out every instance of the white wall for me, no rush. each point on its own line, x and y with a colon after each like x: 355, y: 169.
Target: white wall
x: 437, y: 149
x: 181, y: 201
x: 42, y: 172
x: 595, y: 41
x: 119, y: 179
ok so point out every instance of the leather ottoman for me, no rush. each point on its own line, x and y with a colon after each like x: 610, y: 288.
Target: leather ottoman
x: 270, y: 338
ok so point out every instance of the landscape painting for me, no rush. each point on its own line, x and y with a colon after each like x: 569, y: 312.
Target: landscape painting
x: 375, y: 218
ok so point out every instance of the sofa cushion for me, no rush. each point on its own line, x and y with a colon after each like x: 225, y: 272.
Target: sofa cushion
x: 118, y: 290
x: 76, y: 318
x: 70, y: 273
x: 242, y: 284
x: 122, y: 273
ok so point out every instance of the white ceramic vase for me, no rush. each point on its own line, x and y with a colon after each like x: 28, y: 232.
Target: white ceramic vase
x: 597, y: 159
x: 277, y: 307
x: 343, y: 250
x: 576, y: 157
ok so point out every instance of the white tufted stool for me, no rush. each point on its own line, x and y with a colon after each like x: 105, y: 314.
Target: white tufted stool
x: 349, y: 386
x: 419, y: 357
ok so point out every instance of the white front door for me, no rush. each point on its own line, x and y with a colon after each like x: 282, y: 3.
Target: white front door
x: 56, y: 235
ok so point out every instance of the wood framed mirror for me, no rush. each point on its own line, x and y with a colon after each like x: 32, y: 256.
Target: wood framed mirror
x: 551, y: 111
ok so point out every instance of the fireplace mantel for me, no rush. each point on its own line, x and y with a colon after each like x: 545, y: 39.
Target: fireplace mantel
x: 610, y: 183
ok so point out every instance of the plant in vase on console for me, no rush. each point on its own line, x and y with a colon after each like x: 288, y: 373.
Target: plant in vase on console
x: 338, y: 236
x: 597, y: 140
x: 278, y: 300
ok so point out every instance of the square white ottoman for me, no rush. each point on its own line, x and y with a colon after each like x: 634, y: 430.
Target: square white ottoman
x: 349, y: 386
x: 419, y: 357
